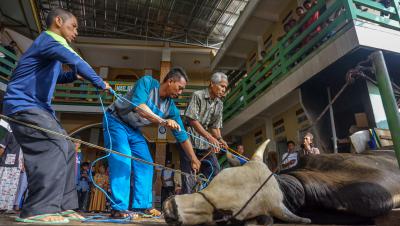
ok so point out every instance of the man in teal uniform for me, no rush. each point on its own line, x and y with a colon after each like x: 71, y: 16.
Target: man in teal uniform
x: 150, y: 101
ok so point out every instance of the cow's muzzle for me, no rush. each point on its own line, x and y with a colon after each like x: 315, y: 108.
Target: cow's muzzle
x: 220, y: 216
x: 170, y: 210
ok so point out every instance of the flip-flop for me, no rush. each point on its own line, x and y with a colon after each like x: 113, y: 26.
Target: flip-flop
x: 118, y: 214
x: 154, y: 212
x: 38, y: 219
x: 69, y: 212
x: 144, y: 215
x: 151, y: 213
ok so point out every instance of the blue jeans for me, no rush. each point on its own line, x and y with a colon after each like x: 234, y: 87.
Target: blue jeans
x: 128, y: 141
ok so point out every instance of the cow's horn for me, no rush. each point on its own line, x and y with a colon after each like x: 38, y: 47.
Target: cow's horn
x: 258, y: 155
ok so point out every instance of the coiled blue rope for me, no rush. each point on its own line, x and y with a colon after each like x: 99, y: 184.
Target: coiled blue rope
x: 204, y: 184
x: 99, y: 218
x: 120, y: 97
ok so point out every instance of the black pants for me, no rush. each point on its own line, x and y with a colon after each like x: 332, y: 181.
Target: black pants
x: 166, y: 192
x: 49, y: 162
x: 83, y: 198
x: 209, y: 167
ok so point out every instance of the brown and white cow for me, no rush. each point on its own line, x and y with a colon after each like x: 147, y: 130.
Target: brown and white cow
x: 365, y: 185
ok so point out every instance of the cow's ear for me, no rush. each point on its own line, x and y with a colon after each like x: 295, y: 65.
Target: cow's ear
x: 258, y: 155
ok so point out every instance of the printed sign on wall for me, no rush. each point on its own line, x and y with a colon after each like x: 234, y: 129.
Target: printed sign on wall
x: 122, y: 88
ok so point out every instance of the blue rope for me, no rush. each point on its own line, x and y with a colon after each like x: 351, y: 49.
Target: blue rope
x: 103, y: 157
x: 204, y: 184
x: 104, y: 219
x: 212, y: 168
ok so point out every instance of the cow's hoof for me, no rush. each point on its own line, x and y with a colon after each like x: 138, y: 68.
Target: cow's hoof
x: 306, y: 220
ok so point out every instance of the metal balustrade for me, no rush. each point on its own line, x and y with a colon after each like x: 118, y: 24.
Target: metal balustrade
x: 292, y: 50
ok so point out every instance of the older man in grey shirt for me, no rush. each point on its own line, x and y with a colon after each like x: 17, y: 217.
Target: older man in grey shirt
x: 204, y: 120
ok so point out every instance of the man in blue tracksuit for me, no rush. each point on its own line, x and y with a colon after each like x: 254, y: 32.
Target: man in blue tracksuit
x: 49, y: 159
x: 122, y: 124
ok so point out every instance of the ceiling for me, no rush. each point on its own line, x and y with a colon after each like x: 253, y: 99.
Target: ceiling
x: 196, y: 22
x: 135, y: 33
x: 124, y: 53
x: 18, y: 16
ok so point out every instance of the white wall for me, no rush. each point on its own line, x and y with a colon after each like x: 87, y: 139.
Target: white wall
x: 23, y: 43
x: 378, y: 110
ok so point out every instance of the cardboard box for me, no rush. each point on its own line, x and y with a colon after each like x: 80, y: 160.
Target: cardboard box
x: 385, y: 138
x: 361, y: 120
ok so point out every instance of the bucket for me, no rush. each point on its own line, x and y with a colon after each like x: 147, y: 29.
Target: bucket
x: 360, y: 140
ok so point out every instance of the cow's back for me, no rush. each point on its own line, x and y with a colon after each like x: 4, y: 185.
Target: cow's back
x: 363, y: 184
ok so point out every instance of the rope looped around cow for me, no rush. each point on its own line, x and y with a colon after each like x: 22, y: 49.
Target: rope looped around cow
x: 358, y: 72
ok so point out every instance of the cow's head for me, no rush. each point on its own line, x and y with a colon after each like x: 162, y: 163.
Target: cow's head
x: 228, y: 193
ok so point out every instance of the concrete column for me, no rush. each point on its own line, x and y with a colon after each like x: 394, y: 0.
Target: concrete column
x: 165, y: 66
x: 94, y: 135
x: 269, y: 132
x: 166, y: 53
x: 161, y: 148
x: 260, y: 47
x: 148, y: 71
x: 58, y: 115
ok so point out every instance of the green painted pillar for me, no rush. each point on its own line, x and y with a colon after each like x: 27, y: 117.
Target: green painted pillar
x: 388, y: 100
